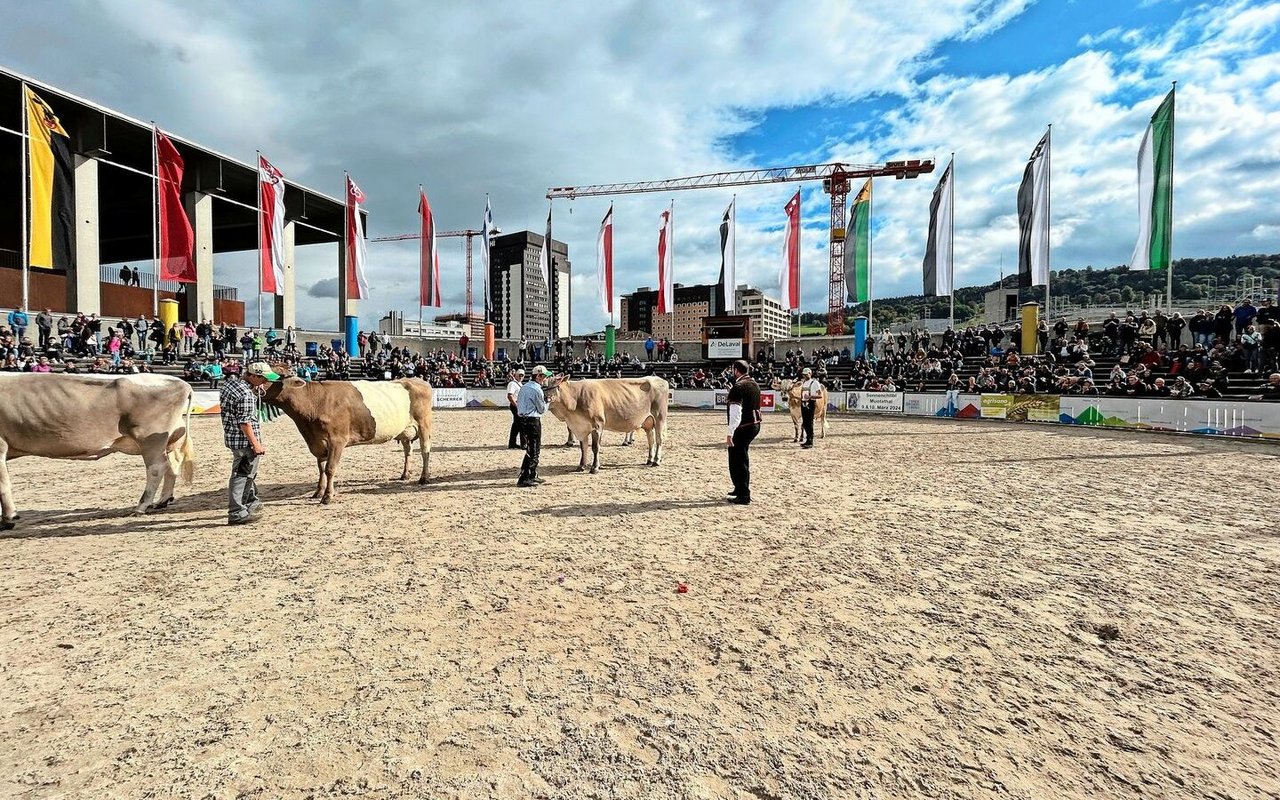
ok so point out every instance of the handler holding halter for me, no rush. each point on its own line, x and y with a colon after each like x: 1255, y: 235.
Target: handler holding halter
x: 810, y: 396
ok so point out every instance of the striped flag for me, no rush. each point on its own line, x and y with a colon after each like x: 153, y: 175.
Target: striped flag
x: 1033, y: 218
x: 857, y: 248
x: 357, y: 285
x: 790, y: 280
x: 666, y: 245
x: 177, y: 239
x: 1155, y: 191
x: 544, y: 257
x: 728, y: 260
x: 604, y: 261
x: 485, y: 244
x: 939, y: 261
x: 428, y: 257
x: 270, y: 226
x: 49, y: 183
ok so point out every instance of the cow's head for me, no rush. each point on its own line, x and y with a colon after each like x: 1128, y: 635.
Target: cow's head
x: 277, y: 392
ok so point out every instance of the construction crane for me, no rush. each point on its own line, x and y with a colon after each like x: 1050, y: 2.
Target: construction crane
x: 467, y: 234
x: 835, y: 181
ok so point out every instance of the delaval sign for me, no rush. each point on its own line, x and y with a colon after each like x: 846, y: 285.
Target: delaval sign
x: 724, y: 349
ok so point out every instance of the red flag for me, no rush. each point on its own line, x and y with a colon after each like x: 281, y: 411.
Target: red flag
x: 177, y: 240
x: 604, y: 261
x: 790, y: 282
x: 666, y: 286
x: 357, y: 285
x: 429, y: 258
x: 270, y: 226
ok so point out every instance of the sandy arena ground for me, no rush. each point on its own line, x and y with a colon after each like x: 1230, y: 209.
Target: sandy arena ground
x: 914, y: 609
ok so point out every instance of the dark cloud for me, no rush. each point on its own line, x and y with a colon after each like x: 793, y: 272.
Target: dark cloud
x: 325, y: 288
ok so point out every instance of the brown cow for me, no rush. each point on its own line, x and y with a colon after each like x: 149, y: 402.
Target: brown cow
x: 332, y: 415
x: 590, y: 407
x: 91, y: 416
x: 794, y: 395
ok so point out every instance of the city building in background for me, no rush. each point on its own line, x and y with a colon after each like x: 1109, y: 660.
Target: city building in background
x: 395, y: 324
x: 639, y: 312
x: 520, y: 302
x: 769, y: 320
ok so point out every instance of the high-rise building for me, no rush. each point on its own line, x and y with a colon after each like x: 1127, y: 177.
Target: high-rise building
x: 692, y: 303
x: 768, y: 318
x: 520, y: 302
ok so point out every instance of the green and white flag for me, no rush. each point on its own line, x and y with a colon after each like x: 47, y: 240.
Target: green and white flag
x: 857, y: 248
x: 1155, y: 191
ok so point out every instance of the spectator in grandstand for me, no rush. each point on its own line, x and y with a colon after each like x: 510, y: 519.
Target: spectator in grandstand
x: 1269, y: 390
x: 1244, y: 315
x: 1251, y: 346
x: 1147, y: 330
x: 1223, y: 322
x: 1174, y: 328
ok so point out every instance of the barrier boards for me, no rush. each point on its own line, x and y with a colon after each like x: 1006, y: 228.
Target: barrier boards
x: 1239, y: 418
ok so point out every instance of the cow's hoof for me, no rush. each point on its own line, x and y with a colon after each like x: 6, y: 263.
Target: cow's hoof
x: 595, y: 470
x: 14, y: 518
x: 140, y: 512
x: 581, y: 468
x: 160, y: 505
x: 7, y: 525
x: 326, y: 500
x: 422, y: 481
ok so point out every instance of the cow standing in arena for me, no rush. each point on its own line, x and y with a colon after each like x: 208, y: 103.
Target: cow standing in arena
x: 590, y: 407
x: 90, y: 416
x: 794, y: 392
x: 335, y: 414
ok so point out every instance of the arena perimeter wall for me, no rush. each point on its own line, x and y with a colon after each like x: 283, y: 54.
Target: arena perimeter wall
x: 1234, y: 418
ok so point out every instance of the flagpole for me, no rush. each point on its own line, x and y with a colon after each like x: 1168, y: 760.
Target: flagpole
x: 26, y: 196
x: 430, y: 266
x: 951, y: 251
x: 671, y: 252
x: 488, y: 259
x: 1172, y: 125
x: 871, y: 200
x: 257, y: 162
x: 155, y: 230
x: 1048, y: 218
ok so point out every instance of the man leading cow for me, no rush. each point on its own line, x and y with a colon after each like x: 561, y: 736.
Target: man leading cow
x: 242, y: 434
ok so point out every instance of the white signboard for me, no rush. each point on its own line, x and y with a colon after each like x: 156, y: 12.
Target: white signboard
x: 449, y: 398
x: 724, y: 348
x: 874, y: 402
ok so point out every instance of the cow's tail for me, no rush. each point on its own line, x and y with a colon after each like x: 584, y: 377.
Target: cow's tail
x: 187, y: 455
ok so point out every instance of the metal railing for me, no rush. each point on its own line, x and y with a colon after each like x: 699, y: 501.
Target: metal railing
x: 146, y: 280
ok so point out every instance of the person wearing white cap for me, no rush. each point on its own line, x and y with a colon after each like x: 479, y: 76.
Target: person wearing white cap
x: 810, y: 394
x: 242, y: 435
x: 514, y: 441
x: 531, y: 404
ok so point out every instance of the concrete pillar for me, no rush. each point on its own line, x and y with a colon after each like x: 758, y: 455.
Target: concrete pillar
x: 199, y: 208
x: 84, y: 292
x: 347, y: 307
x: 286, y: 302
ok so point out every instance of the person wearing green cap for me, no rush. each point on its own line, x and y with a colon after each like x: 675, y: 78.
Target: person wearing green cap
x: 242, y: 434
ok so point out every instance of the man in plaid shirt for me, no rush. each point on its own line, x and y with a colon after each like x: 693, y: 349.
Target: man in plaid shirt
x: 243, y: 436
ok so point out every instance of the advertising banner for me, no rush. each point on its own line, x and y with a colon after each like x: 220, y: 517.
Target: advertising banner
x: 724, y: 348
x: 1033, y: 407
x: 995, y: 406
x: 449, y: 398
x: 874, y: 402
x: 768, y: 399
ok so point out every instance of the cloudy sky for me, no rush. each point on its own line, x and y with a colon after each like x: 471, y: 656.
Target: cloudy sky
x: 472, y: 98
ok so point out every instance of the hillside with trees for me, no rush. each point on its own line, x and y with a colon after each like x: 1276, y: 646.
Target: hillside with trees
x: 1194, y: 279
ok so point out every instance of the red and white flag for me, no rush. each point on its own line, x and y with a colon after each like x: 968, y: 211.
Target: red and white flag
x: 790, y: 281
x: 429, y: 257
x: 270, y: 226
x: 357, y: 286
x: 666, y: 285
x: 604, y: 262
x: 177, y: 240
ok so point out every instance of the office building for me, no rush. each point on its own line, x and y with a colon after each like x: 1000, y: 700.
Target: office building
x: 769, y: 320
x: 519, y: 299
x: 639, y: 312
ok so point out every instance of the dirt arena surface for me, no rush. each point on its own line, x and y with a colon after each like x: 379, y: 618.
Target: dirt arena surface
x: 915, y: 609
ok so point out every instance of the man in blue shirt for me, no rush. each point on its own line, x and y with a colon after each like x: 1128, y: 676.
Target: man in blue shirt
x: 18, y: 322
x: 531, y: 404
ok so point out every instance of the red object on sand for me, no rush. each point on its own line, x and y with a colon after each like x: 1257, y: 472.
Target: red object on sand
x: 682, y: 588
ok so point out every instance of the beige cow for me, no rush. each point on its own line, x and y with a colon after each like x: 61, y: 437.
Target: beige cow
x: 591, y: 407
x: 792, y: 390
x: 90, y: 416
